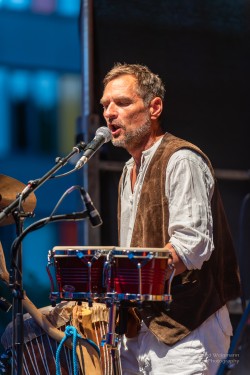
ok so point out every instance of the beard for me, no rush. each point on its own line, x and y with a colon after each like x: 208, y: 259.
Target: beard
x: 134, y: 138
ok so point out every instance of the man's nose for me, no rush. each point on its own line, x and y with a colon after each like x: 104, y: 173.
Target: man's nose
x: 110, y: 111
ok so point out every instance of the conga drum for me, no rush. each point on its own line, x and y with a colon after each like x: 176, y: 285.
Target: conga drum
x: 139, y: 274
x: 78, y: 272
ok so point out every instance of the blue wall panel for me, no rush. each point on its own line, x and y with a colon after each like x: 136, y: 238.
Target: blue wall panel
x: 36, y: 41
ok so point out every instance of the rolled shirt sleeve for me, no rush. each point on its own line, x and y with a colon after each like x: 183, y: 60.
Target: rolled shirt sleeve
x: 189, y: 189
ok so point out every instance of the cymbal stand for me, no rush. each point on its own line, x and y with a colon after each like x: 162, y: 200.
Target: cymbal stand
x: 16, y: 259
x: 17, y: 293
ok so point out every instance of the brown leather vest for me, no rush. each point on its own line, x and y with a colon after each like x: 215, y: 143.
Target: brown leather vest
x: 197, y: 293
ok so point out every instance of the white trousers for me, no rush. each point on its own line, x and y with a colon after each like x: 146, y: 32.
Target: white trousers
x: 201, y: 352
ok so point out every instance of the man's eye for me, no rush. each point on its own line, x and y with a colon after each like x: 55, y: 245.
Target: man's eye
x: 123, y: 103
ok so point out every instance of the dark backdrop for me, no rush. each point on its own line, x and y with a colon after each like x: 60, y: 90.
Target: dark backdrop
x: 201, y: 51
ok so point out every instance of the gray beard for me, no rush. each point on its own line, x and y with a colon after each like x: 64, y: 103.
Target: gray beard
x: 135, y: 137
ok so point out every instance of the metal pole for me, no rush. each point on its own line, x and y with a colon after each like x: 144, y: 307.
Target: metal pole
x: 89, y: 122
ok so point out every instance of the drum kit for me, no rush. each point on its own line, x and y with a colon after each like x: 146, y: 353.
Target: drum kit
x: 119, y: 277
x: 114, y: 277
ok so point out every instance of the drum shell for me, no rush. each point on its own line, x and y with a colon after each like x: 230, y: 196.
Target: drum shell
x: 71, y: 271
x: 127, y: 275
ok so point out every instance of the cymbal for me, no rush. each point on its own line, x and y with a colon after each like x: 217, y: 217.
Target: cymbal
x: 10, y: 188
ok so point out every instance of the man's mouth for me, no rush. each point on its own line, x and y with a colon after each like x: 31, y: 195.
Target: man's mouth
x: 115, y: 129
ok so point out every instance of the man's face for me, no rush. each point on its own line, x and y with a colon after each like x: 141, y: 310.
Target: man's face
x: 125, y: 112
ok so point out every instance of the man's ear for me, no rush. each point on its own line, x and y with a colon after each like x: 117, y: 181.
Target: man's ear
x: 155, y: 108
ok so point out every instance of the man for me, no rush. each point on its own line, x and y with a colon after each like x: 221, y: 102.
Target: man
x: 168, y: 197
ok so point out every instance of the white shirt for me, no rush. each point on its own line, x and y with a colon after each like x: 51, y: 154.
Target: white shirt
x: 189, y: 188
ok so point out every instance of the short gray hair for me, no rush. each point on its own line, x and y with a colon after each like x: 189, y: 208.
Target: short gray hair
x: 149, y: 84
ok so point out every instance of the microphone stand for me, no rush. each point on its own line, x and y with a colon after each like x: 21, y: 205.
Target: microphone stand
x: 16, y: 260
x: 17, y: 308
x: 35, y: 184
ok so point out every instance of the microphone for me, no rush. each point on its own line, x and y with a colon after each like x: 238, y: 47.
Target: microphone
x: 102, y: 135
x: 93, y: 214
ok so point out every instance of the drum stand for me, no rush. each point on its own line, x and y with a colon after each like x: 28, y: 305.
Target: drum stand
x: 120, y: 308
x: 112, y: 339
x: 113, y: 336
